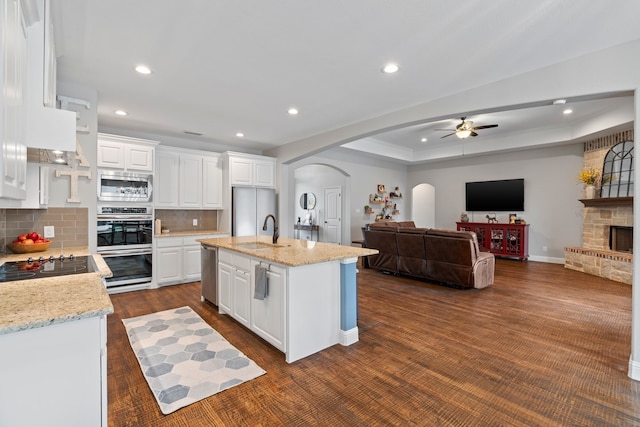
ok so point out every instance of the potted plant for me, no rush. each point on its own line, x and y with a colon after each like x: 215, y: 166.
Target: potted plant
x: 589, y: 177
x: 367, y: 209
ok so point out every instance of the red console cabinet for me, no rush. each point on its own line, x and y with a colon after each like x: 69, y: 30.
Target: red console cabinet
x: 504, y: 240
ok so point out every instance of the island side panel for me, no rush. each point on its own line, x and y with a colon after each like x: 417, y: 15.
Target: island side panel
x: 313, y: 307
x: 348, y: 302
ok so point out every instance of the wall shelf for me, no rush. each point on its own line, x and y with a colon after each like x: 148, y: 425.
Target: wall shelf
x: 608, y: 201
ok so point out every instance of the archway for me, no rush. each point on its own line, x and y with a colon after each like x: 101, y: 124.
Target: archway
x: 315, y: 178
x: 423, y: 208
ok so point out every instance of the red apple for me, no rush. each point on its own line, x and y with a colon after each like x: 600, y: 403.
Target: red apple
x: 33, y: 235
x: 22, y: 237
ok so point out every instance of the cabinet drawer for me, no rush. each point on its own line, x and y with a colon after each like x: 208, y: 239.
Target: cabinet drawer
x: 168, y: 242
x: 242, y: 262
x: 225, y: 256
x: 191, y: 240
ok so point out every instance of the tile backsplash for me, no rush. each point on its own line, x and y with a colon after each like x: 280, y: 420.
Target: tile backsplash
x: 71, y: 225
x: 182, y: 220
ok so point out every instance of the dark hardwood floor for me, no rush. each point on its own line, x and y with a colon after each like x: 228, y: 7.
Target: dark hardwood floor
x: 543, y: 346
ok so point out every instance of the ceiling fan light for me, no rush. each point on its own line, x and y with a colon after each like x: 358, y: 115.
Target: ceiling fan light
x: 462, y: 134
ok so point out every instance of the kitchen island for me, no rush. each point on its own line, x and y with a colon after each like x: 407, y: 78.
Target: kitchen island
x: 53, y: 340
x: 310, y: 301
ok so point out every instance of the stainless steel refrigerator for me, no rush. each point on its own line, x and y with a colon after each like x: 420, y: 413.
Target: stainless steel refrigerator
x: 250, y: 206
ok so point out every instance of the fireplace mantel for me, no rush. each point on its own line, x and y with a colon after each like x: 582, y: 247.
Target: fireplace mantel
x: 608, y: 201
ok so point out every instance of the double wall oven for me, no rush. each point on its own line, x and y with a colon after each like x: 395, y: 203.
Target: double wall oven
x: 124, y: 239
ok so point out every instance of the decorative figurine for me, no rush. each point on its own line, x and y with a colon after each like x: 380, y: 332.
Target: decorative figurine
x: 464, y: 217
x: 491, y: 218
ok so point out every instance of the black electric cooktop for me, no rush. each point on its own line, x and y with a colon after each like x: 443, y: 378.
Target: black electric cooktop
x: 44, y: 267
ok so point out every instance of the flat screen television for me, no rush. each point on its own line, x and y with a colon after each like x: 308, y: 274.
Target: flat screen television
x: 493, y: 196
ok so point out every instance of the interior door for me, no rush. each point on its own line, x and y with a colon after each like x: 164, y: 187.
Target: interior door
x: 332, y: 215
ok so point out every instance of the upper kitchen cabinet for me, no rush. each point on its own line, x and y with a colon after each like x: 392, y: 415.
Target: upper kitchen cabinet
x: 190, y: 179
x: 124, y: 153
x: 13, y: 69
x: 46, y: 126
x: 251, y: 170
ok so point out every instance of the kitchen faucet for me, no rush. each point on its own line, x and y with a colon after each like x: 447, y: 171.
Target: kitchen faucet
x: 275, y: 228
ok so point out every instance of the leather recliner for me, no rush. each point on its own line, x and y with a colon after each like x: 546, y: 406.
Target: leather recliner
x: 450, y: 257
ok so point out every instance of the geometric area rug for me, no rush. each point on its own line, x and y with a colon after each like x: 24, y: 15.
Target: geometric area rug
x: 184, y: 359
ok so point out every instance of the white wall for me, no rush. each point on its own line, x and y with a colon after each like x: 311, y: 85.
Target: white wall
x: 362, y: 177
x: 59, y: 190
x: 314, y: 179
x: 551, y: 193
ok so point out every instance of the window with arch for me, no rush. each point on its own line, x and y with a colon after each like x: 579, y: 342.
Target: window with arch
x: 617, y: 171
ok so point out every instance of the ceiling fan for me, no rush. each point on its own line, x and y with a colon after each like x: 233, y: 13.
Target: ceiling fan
x: 466, y: 129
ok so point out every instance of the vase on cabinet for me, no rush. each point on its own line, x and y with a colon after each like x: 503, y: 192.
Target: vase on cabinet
x: 590, y: 191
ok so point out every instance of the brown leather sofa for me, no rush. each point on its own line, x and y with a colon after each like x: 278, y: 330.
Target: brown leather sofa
x: 450, y: 257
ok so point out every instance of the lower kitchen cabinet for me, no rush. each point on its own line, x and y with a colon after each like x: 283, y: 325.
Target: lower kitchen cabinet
x: 55, y: 375
x: 236, y: 288
x: 267, y: 315
x: 241, y: 290
x: 177, y: 259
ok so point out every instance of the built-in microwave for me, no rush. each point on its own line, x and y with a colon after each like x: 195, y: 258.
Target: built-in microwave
x: 118, y: 186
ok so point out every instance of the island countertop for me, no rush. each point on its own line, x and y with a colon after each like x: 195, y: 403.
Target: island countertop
x: 289, y: 252
x: 184, y: 233
x: 27, y: 304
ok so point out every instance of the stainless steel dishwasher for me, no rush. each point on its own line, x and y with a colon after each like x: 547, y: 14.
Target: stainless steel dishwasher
x: 209, y: 267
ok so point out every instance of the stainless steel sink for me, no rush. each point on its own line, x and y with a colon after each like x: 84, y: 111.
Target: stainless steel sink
x: 259, y: 245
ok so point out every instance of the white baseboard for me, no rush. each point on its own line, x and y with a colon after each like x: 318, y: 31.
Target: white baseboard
x: 634, y: 370
x: 550, y: 260
x: 349, y: 337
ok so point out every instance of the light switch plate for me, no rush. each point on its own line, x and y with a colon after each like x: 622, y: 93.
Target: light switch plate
x: 195, y: 222
x: 49, y: 232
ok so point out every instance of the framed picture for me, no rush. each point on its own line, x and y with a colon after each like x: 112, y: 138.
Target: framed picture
x: 512, y: 218
x: 381, y: 188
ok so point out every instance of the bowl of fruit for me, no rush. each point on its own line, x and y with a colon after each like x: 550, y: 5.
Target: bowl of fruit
x: 28, y: 243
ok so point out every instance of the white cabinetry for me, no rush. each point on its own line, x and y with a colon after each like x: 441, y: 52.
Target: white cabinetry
x: 123, y: 153
x: 13, y: 68
x: 241, y: 290
x: 167, y: 260
x: 236, y: 288
x: 191, y: 259
x: 177, y: 259
x: 166, y: 190
x: 188, y: 179
x: 211, y: 182
x: 268, y: 315
x: 301, y: 312
x: 225, y: 279
x: 37, y: 197
x: 46, y: 126
x: 250, y: 170
x: 62, y: 367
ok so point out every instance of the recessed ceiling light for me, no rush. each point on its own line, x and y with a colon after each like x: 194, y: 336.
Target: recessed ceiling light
x: 293, y: 111
x: 423, y: 140
x: 240, y: 135
x: 120, y: 112
x: 559, y: 102
x: 57, y: 152
x: 143, y: 69
x: 390, y: 68
x: 568, y: 111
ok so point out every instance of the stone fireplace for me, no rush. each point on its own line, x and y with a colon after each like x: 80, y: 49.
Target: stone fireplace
x: 607, y: 225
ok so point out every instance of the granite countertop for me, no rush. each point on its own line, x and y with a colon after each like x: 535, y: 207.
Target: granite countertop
x: 290, y: 252
x: 189, y: 233
x: 28, y: 304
